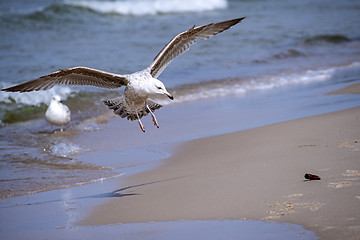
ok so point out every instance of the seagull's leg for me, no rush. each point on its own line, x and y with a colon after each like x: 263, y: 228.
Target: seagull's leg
x: 138, y: 118
x: 141, y: 125
x: 153, y: 116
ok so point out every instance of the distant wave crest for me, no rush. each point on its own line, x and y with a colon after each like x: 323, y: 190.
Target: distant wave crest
x: 149, y: 7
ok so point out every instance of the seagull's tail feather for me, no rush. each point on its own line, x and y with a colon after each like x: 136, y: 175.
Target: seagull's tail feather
x: 122, y: 108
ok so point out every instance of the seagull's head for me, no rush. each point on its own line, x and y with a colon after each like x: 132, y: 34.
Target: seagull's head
x: 56, y: 98
x: 159, y: 88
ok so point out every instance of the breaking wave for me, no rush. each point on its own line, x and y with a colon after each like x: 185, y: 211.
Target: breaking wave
x: 78, y: 10
x: 35, y: 98
x: 149, y: 7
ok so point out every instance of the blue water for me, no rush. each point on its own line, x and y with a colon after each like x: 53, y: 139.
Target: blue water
x: 281, y: 46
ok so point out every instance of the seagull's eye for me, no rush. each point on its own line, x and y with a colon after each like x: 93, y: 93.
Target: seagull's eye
x: 158, y: 87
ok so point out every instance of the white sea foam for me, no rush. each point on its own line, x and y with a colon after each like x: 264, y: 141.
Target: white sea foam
x: 149, y: 7
x: 37, y: 97
x: 65, y: 149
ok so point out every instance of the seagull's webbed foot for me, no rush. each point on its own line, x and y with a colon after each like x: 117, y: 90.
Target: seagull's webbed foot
x: 153, y: 117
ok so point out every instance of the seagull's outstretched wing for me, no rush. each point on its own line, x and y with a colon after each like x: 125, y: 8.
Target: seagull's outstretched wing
x: 72, y: 76
x: 184, y: 40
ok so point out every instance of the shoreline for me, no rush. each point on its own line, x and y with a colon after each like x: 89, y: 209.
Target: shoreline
x: 255, y: 174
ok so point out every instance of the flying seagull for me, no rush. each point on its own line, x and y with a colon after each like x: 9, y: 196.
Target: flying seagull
x: 139, y: 86
x: 57, y: 112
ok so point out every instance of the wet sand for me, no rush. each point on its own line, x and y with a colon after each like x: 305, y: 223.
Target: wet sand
x: 254, y: 174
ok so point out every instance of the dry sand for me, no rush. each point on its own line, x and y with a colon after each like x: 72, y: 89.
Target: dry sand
x: 254, y: 174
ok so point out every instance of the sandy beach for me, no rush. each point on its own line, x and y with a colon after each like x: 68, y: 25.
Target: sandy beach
x: 256, y: 174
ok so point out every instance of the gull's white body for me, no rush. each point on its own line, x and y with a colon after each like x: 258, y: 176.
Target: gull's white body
x: 57, y: 113
x: 139, y: 86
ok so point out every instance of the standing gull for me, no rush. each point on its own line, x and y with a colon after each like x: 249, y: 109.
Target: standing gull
x: 57, y: 113
x: 139, y: 86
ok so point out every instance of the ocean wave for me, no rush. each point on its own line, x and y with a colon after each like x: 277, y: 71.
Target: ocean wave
x: 19, y: 107
x: 326, y: 38
x: 35, y: 98
x: 289, y: 53
x: 148, y: 7
x: 238, y: 86
x: 46, y: 13
x: 23, y: 114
